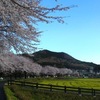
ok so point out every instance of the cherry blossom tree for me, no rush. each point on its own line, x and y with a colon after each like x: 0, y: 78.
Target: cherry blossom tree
x: 49, y: 70
x: 53, y: 71
x: 64, y: 71
x: 14, y: 64
x: 11, y: 64
x: 18, y: 20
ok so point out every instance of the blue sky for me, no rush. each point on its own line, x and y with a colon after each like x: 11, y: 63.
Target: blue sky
x: 79, y: 36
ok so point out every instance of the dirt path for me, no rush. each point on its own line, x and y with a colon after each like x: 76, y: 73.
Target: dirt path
x: 2, y: 93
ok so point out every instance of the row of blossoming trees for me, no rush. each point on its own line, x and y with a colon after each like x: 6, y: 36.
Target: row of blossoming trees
x: 16, y: 65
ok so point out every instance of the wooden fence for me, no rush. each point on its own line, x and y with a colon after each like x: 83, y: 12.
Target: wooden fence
x: 65, y: 89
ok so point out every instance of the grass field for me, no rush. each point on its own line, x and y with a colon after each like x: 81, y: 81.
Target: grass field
x: 74, y: 82
x: 26, y: 93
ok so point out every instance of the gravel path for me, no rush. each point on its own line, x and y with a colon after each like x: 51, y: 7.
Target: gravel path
x: 2, y: 93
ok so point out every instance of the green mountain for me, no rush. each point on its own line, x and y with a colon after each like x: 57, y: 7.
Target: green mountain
x: 60, y: 60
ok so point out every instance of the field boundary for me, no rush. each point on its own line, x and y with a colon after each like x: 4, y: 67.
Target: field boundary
x: 66, y: 89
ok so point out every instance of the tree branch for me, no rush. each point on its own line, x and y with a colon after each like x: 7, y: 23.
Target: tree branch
x: 20, y: 5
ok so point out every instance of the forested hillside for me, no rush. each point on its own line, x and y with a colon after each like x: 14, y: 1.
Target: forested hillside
x: 60, y: 60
